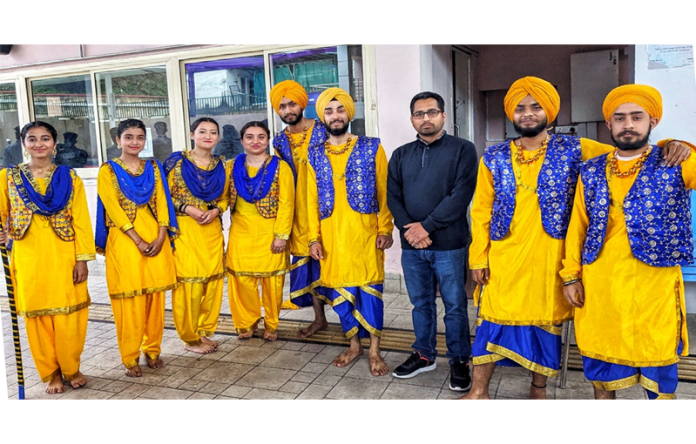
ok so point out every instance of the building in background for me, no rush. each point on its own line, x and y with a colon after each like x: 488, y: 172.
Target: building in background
x: 85, y: 90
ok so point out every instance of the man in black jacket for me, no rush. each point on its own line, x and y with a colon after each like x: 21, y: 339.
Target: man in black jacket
x: 430, y: 185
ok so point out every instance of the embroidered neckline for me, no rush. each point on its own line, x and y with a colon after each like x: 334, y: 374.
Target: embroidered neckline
x: 140, y: 171
x: 211, y: 166
x: 32, y: 180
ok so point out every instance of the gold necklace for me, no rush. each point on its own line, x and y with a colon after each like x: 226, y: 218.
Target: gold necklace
x: 294, y: 146
x: 614, y: 165
x: 328, y: 149
x: 522, y: 161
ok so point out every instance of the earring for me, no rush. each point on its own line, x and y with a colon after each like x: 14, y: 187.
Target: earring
x: 55, y: 151
x: 26, y: 153
x: 119, y: 146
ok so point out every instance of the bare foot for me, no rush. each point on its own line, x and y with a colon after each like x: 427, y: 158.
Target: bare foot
x: 246, y: 335
x: 134, y: 372
x: 270, y: 335
x: 313, y: 328
x: 476, y: 395
x: 536, y: 392
x: 203, y: 348
x: 55, y: 385
x: 154, y: 363
x: 78, y: 381
x: 209, y: 342
x: 347, y: 357
x: 377, y: 365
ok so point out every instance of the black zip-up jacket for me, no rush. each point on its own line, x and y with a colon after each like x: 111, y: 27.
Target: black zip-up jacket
x: 433, y: 184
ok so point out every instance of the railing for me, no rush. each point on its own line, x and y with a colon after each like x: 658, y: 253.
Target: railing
x: 228, y: 104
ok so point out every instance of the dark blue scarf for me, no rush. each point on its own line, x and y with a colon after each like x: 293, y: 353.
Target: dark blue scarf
x: 57, y: 194
x: 203, y: 184
x: 137, y: 189
x: 253, y: 189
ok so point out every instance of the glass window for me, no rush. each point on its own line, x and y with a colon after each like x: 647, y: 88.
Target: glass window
x: 10, y: 142
x: 66, y: 103
x: 135, y: 94
x: 322, y: 68
x: 231, y: 91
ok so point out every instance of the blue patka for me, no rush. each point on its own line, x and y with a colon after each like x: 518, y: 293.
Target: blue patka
x: 656, y: 209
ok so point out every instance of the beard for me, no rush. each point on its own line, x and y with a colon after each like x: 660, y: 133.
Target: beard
x: 292, y: 119
x: 631, y: 146
x: 530, y: 132
x: 337, y: 131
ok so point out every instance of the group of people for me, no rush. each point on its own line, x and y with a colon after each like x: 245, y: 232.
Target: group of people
x: 322, y: 209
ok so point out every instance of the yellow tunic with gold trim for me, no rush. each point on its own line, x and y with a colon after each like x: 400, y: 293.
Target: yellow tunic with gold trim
x: 251, y: 234
x: 128, y: 272
x: 633, y: 313
x: 200, y: 249
x: 349, y: 238
x: 42, y: 263
x: 524, y: 288
x: 299, y: 238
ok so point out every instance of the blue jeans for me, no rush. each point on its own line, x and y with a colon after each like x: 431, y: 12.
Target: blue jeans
x: 423, y: 270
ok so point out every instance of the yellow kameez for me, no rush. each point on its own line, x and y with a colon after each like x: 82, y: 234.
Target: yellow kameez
x: 199, y: 256
x: 634, y: 313
x: 299, y: 238
x: 523, y: 288
x: 136, y: 283
x: 54, y: 308
x: 250, y: 260
x: 351, y: 258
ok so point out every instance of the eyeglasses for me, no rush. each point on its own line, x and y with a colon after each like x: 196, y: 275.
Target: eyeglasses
x: 432, y: 113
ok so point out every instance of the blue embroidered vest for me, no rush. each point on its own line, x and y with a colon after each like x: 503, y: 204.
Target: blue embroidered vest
x: 361, y: 177
x: 656, y: 210
x: 555, y: 185
x: 281, y: 144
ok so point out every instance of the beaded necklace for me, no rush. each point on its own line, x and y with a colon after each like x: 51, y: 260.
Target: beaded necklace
x: 328, y: 149
x: 614, y: 165
x: 522, y: 161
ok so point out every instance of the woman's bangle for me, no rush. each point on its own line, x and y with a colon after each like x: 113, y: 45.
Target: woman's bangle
x: 565, y: 284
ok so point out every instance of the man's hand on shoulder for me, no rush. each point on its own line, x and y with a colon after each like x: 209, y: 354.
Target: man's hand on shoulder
x: 676, y: 152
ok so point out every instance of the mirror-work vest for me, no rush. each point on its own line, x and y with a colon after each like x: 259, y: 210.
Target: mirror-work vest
x: 555, y: 185
x: 361, y: 177
x: 656, y: 209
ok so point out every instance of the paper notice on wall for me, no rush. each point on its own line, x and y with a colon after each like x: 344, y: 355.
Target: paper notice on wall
x: 670, y: 56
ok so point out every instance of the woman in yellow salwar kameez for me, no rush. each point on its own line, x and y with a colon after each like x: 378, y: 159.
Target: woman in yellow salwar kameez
x: 262, y: 196
x: 134, y: 216
x: 45, y: 211
x: 198, y: 182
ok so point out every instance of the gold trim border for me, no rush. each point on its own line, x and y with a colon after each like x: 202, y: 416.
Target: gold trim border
x: 535, y: 323
x: 200, y: 280
x: 56, y: 311
x: 628, y: 363
x: 258, y: 274
x: 618, y: 384
x: 524, y: 362
x: 143, y: 291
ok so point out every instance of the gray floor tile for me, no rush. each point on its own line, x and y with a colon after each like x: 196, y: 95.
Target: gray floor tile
x: 288, y: 359
x: 266, y: 378
x: 397, y: 390
x: 352, y: 388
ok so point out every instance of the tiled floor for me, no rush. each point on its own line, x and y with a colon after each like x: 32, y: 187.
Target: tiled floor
x: 285, y: 369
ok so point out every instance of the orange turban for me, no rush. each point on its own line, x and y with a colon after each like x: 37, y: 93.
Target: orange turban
x: 644, y: 96
x: 541, y: 90
x: 338, y: 94
x: 290, y: 89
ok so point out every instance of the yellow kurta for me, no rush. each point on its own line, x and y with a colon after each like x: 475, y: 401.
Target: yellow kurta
x: 348, y: 238
x: 299, y: 238
x: 128, y: 272
x: 524, y: 287
x: 136, y: 283
x: 199, y: 255
x: 251, y: 235
x: 250, y: 259
x: 633, y: 312
x: 41, y: 261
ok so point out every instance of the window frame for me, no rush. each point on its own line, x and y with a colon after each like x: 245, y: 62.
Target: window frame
x: 174, y: 61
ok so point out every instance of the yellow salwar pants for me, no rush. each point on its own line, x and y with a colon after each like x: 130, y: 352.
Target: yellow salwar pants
x: 196, y: 309
x: 243, y: 294
x: 56, y: 343
x: 139, y: 325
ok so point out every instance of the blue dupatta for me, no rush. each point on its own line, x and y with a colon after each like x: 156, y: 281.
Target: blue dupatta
x: 203, y: 184
x: 58, y: 192
x: 137, y: 189
x: 253, y: 189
